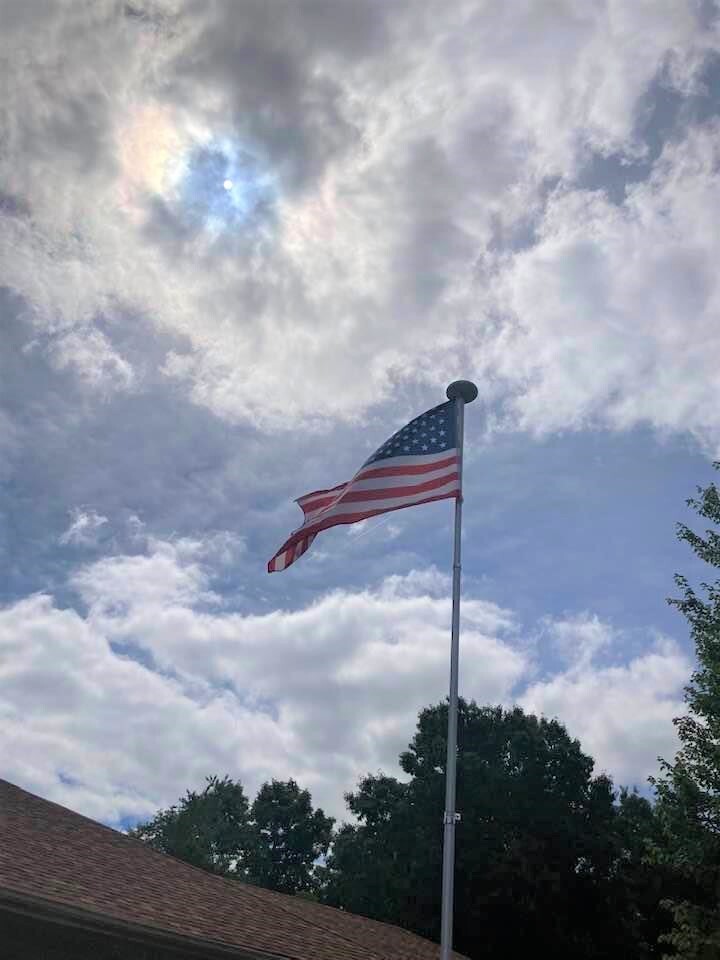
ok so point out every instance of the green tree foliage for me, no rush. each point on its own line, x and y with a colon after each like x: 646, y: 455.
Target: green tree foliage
x: 209, y: 829
x: 289, y: 837
x: 547, y: 862
x: 688, y: 791
x: 644, y: 883
x: 274, y: 843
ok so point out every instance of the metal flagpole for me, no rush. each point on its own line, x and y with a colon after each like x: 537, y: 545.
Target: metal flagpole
x: 462, y: 392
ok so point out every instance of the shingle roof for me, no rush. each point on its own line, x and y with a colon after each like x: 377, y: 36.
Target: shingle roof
x: 50, y: 853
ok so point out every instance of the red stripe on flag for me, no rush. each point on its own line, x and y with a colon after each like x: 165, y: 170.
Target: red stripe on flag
x: 358, y: 496
x: 346, y: 518
x: 312, y: 505
x: 400, y: 471
x: 312, y: 502
x: 319, y: 493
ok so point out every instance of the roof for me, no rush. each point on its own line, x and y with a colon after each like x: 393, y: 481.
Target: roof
x: 54, y: 859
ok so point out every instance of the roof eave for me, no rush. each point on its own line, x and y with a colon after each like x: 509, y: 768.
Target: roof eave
x: 18, y: 901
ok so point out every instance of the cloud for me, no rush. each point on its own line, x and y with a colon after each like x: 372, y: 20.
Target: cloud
x: 121, y: 709
x: 340, y: 672
x: 621, y: 711
x: 614, y: 306
x: 118, y: 710
x: 84, y: 527
x: 100, y: 732
x: 579, y: 640
x: 9, y: 440
x: 97, y: 364
x: 396, y: 175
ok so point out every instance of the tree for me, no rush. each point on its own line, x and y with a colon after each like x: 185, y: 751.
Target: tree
x: 544, y: 854
x: 642, y: 882
x: 688, y: 791
x: 372, y: 866
x: 273, y: 844
x: 209, y: 829
x: 289, y: 838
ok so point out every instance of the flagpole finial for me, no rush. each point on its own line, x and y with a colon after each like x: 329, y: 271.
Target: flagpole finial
x: 464, y: 389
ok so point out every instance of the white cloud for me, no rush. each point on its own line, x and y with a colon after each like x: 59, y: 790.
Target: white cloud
x: 90, y: 353
x: 615, y: 307
x: 622, y: 713
x: 121, y: 710
x: 100, y: 732
x: 84, y: 527
x: 324, y: 693
x: 169, y: 576
x: 330, y: 669
x: 579, y: 640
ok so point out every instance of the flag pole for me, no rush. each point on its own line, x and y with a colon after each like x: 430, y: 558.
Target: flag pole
x: 462, y: 392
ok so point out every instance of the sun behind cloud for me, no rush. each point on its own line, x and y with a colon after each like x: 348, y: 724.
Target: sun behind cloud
x: 208, y: 180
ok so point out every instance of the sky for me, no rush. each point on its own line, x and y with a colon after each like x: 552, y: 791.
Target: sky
x: 241, y: 243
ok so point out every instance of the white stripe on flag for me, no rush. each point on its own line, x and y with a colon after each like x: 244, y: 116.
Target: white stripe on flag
x: 343, y: 507
x: 387, y: 483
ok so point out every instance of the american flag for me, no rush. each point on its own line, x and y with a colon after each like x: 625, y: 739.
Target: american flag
x: 417, y: 464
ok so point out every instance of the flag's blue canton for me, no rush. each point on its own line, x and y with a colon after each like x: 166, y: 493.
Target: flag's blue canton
x: 431, y: 432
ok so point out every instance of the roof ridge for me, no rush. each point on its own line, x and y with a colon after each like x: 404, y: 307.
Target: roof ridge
x: 66, y: 810
x: 116, y: 833
x: 135, y: 841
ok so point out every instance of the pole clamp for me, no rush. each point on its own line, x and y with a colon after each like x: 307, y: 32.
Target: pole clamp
x: 449, y: 819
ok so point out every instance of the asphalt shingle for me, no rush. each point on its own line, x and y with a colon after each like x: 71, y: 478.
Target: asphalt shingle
x: 52, y: 853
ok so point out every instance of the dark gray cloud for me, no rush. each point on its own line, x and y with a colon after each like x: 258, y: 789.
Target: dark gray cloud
x: 270, y: 59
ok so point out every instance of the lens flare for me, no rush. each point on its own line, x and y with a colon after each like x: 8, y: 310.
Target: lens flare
x: 207, y: 181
